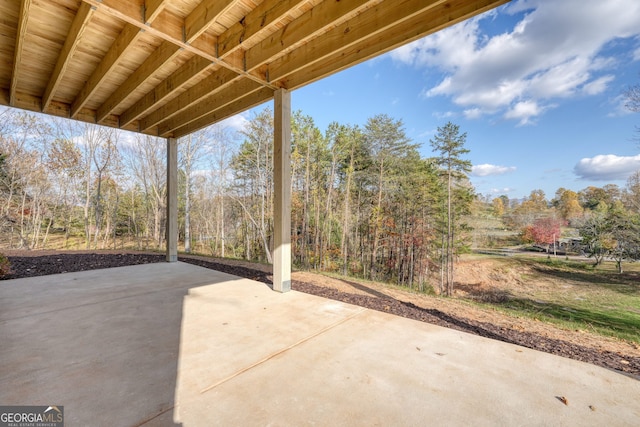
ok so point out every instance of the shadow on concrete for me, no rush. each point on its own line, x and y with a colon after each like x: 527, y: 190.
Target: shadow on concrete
x: 103, y: 344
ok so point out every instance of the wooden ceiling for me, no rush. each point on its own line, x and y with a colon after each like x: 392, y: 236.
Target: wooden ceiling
x: 171, y: 67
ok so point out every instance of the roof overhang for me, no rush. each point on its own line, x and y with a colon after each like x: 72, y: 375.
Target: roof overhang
x: 170, y: 67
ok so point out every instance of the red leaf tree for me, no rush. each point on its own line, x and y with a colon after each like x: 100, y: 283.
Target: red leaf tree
x: 546, y: 230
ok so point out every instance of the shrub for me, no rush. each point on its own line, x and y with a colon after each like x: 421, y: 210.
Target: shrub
x: 5, y: 265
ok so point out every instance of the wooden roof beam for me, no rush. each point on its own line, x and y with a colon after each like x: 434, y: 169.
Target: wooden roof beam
x: 204, y: 46
x: 79, y: 24
x: 237, y: 106
x: 419, y: 25
x: 165, y: 53
x: 258, y: 20
x: 183, y: 75
x: 219, y: 99
x: 21, y: 33
x: 197, y: 22
x: 216, y: 81
x: 123, y: 42
x: 205, y: 14
x: 153, y: 8
x: 366, y: 25
x: 303, y: 29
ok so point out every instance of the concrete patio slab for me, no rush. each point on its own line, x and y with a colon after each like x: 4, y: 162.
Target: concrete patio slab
x: 176, y: 344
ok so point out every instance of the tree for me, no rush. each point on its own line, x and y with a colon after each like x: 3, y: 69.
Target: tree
x: 632, y: 98
x: 545, y: 231
x: 596, y: 239
x: 389, y: 146
x: 624, y: 229
x: 449, y: 144
x: 190, y: 150
x: 568, y: 204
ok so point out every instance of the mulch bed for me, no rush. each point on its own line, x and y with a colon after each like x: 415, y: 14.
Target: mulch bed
x: 39, y: 265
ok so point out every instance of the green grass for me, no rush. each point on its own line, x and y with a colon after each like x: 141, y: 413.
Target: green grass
x: 581, y: 297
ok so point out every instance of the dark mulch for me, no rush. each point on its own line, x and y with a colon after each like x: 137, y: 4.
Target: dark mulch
x: 29, y: 266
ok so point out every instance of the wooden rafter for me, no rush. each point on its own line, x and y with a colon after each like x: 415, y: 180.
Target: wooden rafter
x: 123, y: 42
x: 79, y: 24
x: 353, y: 32
x: 153, y: 8
x: 182, y: 76
x: 429, y: 20
x: 208, y: 59
x: 203, y: 15
x: 165, y: 53
x: 241, y: 104
x: 301, y: 30
x: 258, y: 20
x: 211, y: 103
x: 23, y: 20
x: 216, y: 81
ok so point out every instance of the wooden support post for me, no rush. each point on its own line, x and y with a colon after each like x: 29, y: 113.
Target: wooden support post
x: 172, y: 200
x: 282, y: 194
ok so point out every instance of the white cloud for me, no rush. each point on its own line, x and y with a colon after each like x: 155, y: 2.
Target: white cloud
x: 504, y: 190
x: 473, y: 113
x: 525, y: 111
x: 554, y: 51
x: 488, y: 169
x: 236, y: 123
x: 607, y: 167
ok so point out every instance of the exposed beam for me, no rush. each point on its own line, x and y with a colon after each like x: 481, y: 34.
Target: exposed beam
x: 219, y: 99
x: 183, y: 75
x: 165, y: 53
x: 79, y: 24
x: 302, y: 29
x: 236, y: 107
x: 259, y: 19
x: 153, y: 8
x: 215, y: 81
x: 203, y: 46
x: 418, y: 26
x: 21, y: 33
x: 282, y: 191
x: 204, y: 15
x: 364, y: 26
x: 123, y: 42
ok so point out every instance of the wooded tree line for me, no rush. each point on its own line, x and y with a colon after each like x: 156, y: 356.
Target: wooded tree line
x: 364, y: 202
x: 604, y: 220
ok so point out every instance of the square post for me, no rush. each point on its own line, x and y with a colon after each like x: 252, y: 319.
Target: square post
x: 172, y: 200
x: 282, y: 193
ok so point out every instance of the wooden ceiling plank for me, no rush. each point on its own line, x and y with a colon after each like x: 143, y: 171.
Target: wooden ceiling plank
x: 302, y: 29
x: 23, y: 20
x: 153, y: 8
x: 213, y: 102
x: 79, y: 24
x: 123, y: 42
x: 206, y: 13
x: 420, y: 25
x: 256, y: 21
x: 216, y: 81
x: 116, y: 8
x: 183, y: 75
x: 236, y: 107
x: 367, y: 24
x: 165, y: 53
x: 266, y: 14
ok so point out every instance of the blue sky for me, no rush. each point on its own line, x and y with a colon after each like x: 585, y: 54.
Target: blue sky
x: 535, y: 84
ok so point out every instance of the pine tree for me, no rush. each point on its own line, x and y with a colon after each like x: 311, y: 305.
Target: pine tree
x: 449, y: 144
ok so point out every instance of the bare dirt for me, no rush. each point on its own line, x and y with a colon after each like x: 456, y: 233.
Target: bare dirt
x: 454, y: 313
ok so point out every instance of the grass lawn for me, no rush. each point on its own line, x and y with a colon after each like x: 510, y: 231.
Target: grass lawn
x: 574, y: 295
